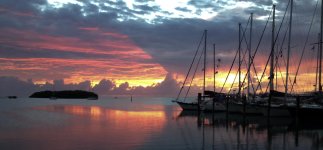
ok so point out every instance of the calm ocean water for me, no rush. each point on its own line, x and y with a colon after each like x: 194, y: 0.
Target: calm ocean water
x: 145, y: 123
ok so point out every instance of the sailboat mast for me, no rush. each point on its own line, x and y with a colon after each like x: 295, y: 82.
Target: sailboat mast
x: 239, y: 90
x: 249, y: 60
x: 288, y: 50
x: 204, y: 69
x: 271, y: 76
x: 320, y: 52
x: 317, y: 62
x: 276, y: 68
x: 213, y: 67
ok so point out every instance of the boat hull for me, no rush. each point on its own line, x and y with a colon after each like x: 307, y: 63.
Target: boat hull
x: 235, y: 108
x: 275, y: 111
x: 218, y: 107
x: 307, y: 112
x: 249, y: 109
x: 188, y: 106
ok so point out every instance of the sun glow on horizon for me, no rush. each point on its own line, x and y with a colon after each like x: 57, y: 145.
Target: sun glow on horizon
x: 305, y: 82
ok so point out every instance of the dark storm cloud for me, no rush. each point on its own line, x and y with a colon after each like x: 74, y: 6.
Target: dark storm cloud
x: 173, y: 43
x: 163, y: 41
x: 21, y: 5
x: 67, y: 17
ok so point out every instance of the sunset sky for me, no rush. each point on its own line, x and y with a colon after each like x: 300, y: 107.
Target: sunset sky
x: 139, y: 46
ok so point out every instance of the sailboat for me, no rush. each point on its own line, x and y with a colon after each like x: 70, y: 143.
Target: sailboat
x: 197, y: 104
x: 261, y: 103
x: 240, y: 103
x: 276, y: 102
x: 207, y: 100
x: 309, y: 108
x: 312, y: 107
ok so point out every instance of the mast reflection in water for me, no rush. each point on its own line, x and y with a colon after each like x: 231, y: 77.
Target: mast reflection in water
x: 234, y: 131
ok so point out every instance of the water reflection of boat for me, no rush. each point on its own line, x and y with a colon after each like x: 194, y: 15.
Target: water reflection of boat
x: 268, y: 129
x: 185, y: 113
x: 307, y: 111
x: 260, y: 122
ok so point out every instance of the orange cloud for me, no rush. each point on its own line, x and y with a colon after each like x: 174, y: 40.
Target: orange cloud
x: 78, y: 70
x: 117, y: 59
x: 122, y: 48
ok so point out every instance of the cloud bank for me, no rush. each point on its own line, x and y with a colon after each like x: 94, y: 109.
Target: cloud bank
x: 14, y: 86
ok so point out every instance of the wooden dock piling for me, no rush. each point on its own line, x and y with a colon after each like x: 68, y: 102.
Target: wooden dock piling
x: 199, y: 99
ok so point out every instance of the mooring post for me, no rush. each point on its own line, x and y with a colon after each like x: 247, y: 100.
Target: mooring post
x: 199, y: 119
x: 297, y: 106
x: 296, y: 120
x: 227, y: 113
x: 269, y: 105
x: 244, y: 101
x: 199, y: 99
x: 213, y: 105
x: 213, y: 110
x: 227, y: 104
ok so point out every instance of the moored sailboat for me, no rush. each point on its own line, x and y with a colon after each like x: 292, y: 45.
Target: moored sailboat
x: 197, y: 104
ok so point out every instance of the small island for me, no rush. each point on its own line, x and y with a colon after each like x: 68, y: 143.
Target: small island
x: 68, y: 94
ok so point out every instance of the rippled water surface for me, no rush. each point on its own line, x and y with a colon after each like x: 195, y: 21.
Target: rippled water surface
x: 144, y: 123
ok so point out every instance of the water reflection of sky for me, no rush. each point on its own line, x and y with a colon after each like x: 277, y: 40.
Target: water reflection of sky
x: 87, y: 126
x: 118, y: 124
